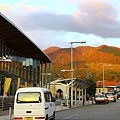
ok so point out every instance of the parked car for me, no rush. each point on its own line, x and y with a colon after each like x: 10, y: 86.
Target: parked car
x: 111, y: 96
x: 101, y: 98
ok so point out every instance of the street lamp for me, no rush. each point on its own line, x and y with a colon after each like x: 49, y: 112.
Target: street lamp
x: 66, y: 88
x: 82, y: 42
x: 104, y: 75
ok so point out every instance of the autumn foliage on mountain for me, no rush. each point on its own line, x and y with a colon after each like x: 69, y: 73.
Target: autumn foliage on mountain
x: 87, y: 62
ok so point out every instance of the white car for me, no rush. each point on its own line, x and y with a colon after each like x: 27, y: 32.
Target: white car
x: 111, y: 96
x: 34, y: 103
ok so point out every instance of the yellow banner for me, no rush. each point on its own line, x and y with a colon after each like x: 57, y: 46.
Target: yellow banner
x: 7, y: 85
x: 18, y: 84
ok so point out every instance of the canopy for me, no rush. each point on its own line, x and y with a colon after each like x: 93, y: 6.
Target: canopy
x: 15, y: 39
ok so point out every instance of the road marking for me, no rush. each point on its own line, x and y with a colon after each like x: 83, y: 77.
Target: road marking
x: 69, y: 116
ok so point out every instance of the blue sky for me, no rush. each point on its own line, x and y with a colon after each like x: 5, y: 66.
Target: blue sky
x: 57, y: 22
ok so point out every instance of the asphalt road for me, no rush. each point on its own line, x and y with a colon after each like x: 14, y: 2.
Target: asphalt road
x: 109, y: 111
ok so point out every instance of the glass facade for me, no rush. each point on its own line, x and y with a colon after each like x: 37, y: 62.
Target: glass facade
x: 14, y: 65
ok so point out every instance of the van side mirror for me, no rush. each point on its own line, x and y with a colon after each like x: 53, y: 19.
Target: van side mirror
x: 53, y: 99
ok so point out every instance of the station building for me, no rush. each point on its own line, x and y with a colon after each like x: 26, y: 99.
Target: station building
x: 22, y: 62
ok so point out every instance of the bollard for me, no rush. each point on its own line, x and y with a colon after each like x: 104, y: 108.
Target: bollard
x: 10, y: 113
x: 55, y: 106
x: 61, y: 105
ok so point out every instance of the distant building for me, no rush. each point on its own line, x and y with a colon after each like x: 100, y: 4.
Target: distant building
x: 62, y: 87
x: 108, y: 87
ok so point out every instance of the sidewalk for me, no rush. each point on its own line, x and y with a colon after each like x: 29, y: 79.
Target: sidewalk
x: 4, y: 115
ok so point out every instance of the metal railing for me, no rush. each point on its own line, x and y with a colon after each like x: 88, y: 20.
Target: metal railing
x: 6, y: 102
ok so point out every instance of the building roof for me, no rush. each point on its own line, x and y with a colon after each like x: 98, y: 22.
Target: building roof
x: 14, y: 38
x: 107, y: 83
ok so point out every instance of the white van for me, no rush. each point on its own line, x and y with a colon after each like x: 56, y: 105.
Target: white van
x: 34, y: 103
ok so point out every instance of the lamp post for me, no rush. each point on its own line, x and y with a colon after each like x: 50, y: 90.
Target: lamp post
x: 82, y: 42
x: 66, y: 86
x: 104, y: 75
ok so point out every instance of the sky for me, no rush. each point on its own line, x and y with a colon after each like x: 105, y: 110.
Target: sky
x: 51, y: 23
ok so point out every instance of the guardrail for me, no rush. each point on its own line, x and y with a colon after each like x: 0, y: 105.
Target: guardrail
x: 6, y: 102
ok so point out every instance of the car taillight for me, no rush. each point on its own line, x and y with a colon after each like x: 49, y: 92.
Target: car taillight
x: 39, y: 117
x: 18, y: 118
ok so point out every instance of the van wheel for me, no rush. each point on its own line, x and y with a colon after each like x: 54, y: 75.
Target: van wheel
x: 46, y: 117
x: 53, y: 117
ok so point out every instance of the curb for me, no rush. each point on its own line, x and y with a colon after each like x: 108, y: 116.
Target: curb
x: 77, y: 106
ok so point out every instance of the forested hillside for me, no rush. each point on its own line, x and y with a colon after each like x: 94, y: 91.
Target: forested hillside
x: 88, y: 62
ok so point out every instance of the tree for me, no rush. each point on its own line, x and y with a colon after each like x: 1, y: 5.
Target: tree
x: 91, y: 90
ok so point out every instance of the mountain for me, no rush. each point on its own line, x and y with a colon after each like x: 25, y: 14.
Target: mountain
x: 87, y: 61
x: 110, y: 50
x: 51, y: 49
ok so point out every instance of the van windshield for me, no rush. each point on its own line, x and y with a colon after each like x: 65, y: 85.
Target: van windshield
x: 29, y: 97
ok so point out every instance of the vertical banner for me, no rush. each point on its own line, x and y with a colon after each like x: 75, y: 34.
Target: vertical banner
x: 7, y: 85
x: 18, y: 83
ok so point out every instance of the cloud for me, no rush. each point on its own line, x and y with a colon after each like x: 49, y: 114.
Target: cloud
x: 5, y: 7
x: 50, y: 26
x: 98, y: 18
x: 31, y: 9
x: 45, y: 39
